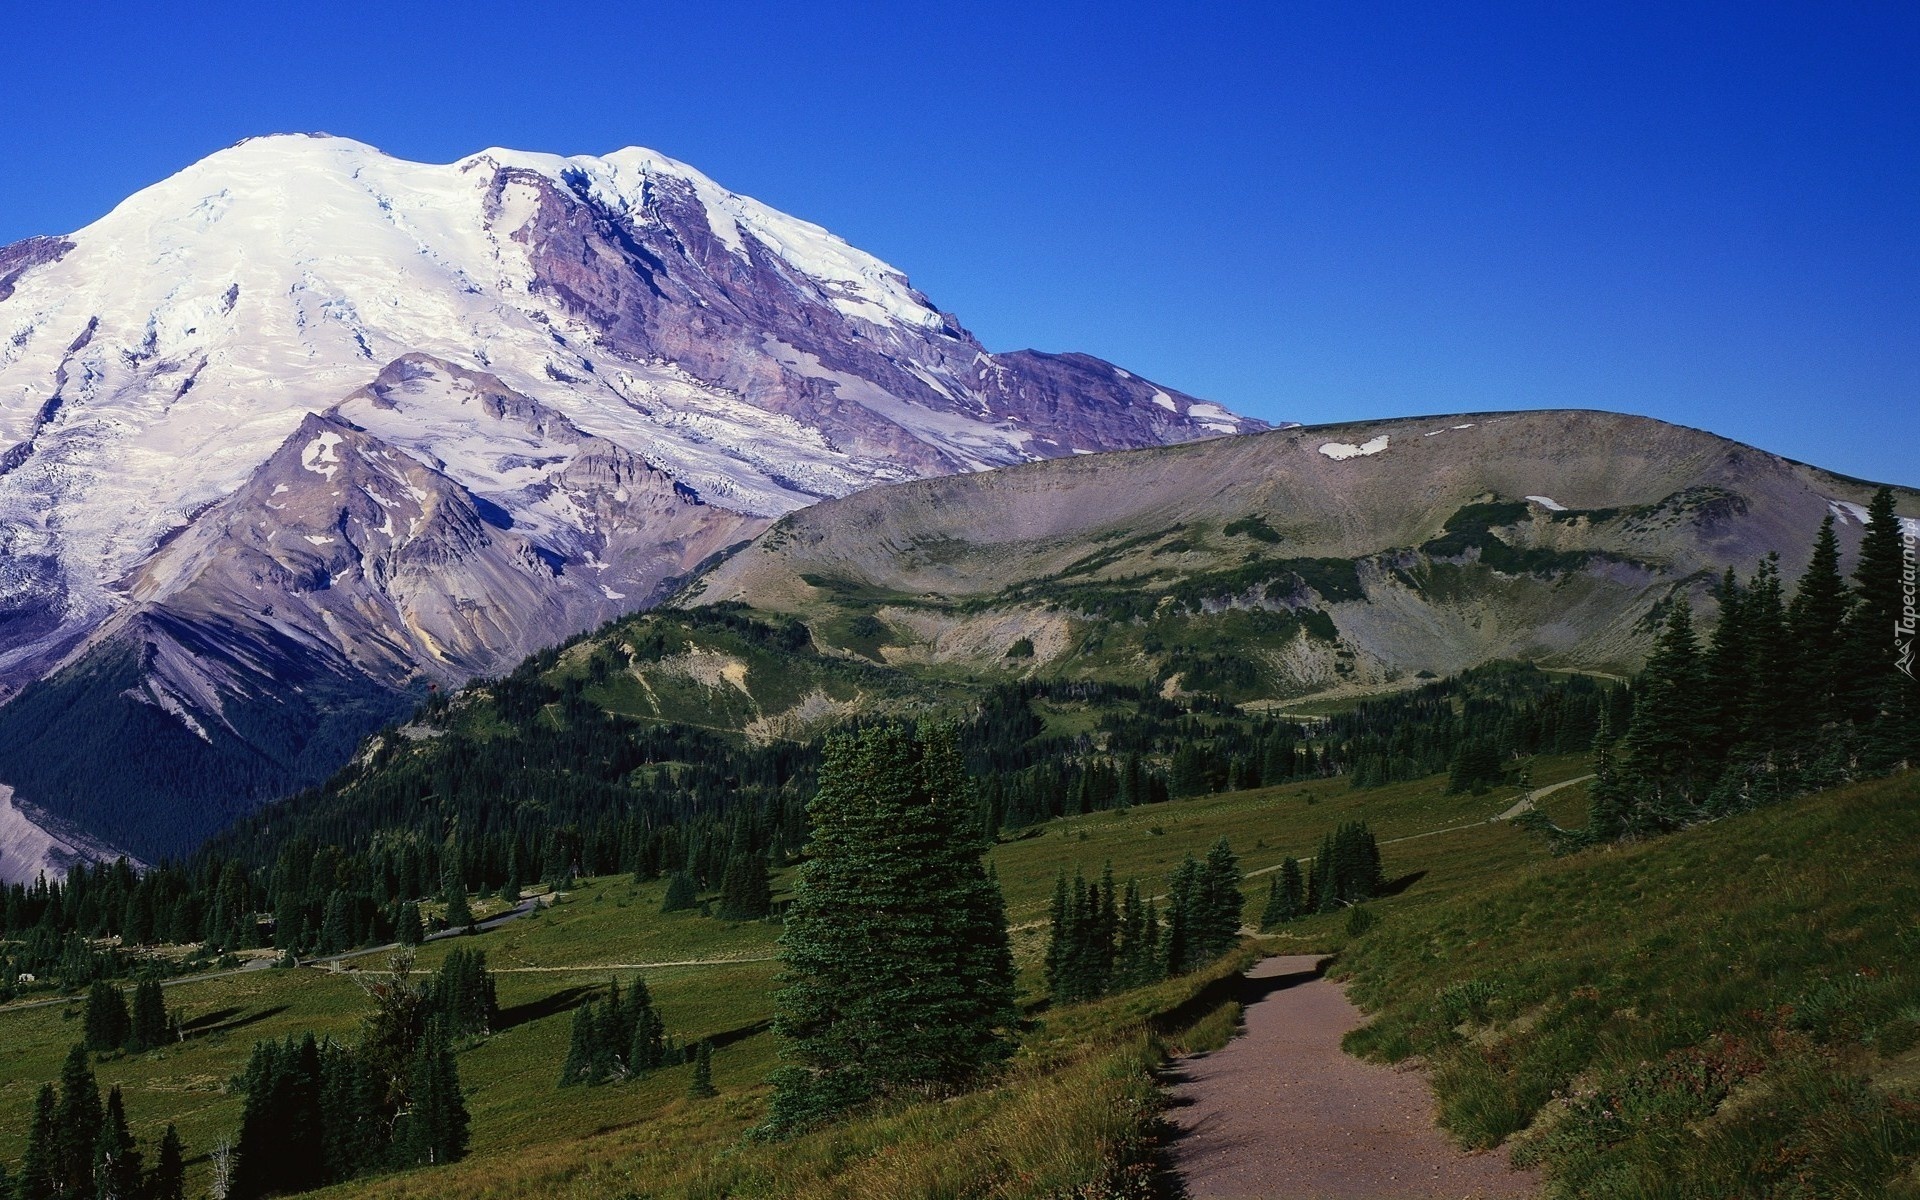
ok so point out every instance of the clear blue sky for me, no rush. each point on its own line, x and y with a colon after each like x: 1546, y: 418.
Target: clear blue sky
x: 1308, y: 211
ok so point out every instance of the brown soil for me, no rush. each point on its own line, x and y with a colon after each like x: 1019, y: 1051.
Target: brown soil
x: 1282, y: 1113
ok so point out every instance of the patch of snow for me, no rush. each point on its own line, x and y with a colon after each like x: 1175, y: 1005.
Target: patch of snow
x: 611, y: 594
x: 1211, y: 412
x: 1343, y: 450
x: 1165, y: 401
x: 278, y: 488
x: 319, y: 539
x: 1548, y: 502
x: 320, y: 456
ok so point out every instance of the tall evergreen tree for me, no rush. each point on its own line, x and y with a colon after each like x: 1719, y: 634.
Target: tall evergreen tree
x: 1879, y: 693
x: 148, y: 1026
x: 116, y: 1161
x: 1772, y: 715
x: 41, y: 1174
x: 106, y: 1020
x: 648, y: 1048
x: 77, y: 1125
x: 1665, y: 741
x: 168, y: 1179
x: 701, y: 1086
x: 898, y: 971
x: 407, y: 928
x: 436, y: 1128
x: 681, y: 893
x: 1815, y: 621
x: 746, y: 891
x: 1726, y: 672
x: 580, y: 1045
x: 1284, y: 896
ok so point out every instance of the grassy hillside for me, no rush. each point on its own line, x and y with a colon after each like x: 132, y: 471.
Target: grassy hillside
x: 1731, y: 1011
x: 1053, y: 1123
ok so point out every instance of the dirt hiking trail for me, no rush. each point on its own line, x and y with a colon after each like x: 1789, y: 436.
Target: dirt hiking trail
x: 1280, y: 1113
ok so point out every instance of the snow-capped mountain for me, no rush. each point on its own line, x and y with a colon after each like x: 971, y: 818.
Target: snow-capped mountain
x: 305, y: 425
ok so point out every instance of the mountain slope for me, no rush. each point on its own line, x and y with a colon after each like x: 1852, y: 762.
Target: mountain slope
x: 1300, y: 560
x: 307, y: 411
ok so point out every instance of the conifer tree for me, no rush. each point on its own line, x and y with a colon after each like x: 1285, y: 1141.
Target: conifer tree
x: 1772, y: 713
x: 681, y: 893
x: 648, y: 1047
x: 1178, y: 947
x: 459, y: 911
x: 746, y: 891
x: 408, y: 930
x: 1664, y: 742
x: 106, y: 1020
x: 898, y: 971
x: 1815, y: 621
x: 510, y: 886
x: 701, y: 1087
x: 1284, y: 897
x: 1726, y: 672
x: 41, y: 1175
x: 77, y: 1125
x: 1880, y: 696
x: 1607, y: 800
x: 580, y: 1046
x: 437, y: 1120
x: 148, y: 1026
x: 116, y: 1162
x: 168, y: 1179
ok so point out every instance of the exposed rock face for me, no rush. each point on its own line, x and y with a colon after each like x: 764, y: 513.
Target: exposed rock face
x: 566, y: 381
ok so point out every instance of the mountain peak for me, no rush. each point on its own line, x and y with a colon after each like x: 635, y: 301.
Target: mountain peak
x: 556, y: 384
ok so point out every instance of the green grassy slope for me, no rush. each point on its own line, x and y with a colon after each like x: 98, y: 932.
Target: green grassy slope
x: 531, y: 1138
x: 1731, y: 1011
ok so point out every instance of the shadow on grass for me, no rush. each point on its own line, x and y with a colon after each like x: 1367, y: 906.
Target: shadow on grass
x: 226, y: 1020
x: 1396, y: 886
x: 722, y: 1040
x: 546, y: 1006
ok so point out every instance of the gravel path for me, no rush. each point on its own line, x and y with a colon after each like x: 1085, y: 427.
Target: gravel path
x: 1281, y: 1113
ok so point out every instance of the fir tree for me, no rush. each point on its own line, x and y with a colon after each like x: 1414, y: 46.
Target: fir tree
x: 1283, y: 896
x: 106, y: 1021
x: 701, y: 1087
x: 1607, y: 800
x: 1880, y: 696
x: 681, y: 893
x: 41, y: 1174
x: 1772, y: 714
x: 168, y: 1179
x: 116, y: 1162
x: 77, y: 1124
x: 461, y: 994
x: 648, y: 1047
x: 580, y: 1046
x: 1664, y: 743
x: 149, y: 1024
x: 746, y: 891
x: 1815, y: 621
x: 459, y: 911
x: 1726, y: 673
x: 437, y: 1122
x: 407, y: 928
x: 898, y: 971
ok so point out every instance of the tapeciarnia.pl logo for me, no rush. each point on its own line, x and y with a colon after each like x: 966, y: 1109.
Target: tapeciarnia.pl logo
x: 1903, y: 628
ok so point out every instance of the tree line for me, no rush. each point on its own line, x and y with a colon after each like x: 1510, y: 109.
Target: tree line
x: 1789, y: 693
